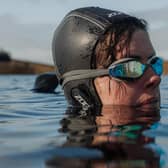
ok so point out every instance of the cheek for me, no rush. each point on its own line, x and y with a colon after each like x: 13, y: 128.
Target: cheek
x: 119, y: 89
x: 133, y: 91
x: 124, y: 93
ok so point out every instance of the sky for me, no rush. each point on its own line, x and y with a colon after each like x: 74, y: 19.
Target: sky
x: 27, y: 26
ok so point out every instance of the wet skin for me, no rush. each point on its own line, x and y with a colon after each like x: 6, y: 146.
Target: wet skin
x: 144, y: 92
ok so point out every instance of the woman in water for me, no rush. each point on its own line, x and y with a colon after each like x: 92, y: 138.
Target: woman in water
x: 105, y: 57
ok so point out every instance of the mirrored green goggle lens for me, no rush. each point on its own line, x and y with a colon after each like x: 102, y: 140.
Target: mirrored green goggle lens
x: 135, y: 69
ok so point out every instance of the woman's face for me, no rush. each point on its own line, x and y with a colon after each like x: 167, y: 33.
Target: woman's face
x: 143, y: 92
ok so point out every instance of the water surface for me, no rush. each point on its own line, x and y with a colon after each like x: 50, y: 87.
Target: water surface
x: 39, y: 131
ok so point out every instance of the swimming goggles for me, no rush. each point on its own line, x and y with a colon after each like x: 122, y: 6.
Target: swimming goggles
x: 130, y: 68
x: 123, y: 69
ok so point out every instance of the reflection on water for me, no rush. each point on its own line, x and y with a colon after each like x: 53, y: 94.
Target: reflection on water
x: 113, y: 138
x: 37, y: 131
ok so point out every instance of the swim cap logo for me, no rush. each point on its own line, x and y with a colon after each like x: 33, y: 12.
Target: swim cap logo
x: 82, y: 101
x: 114, y: 14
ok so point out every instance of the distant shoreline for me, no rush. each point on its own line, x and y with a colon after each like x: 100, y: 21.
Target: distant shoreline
x: 24, y: 67
x: 165, y: 67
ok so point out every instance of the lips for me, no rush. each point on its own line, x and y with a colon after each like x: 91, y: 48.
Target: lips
x: 149, y: 103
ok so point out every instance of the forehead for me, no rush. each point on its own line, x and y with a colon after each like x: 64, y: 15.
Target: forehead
x: 140, y: 43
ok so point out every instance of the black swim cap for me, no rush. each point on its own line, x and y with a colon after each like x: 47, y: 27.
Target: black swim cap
x: 73, y: 51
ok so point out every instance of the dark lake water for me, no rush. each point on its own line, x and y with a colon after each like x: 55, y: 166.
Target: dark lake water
x: 38, y: 131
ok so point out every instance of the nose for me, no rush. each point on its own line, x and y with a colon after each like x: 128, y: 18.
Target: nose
x: 153, y: 80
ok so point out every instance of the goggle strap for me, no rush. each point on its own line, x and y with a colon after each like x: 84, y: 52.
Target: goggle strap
x: 83, y: 74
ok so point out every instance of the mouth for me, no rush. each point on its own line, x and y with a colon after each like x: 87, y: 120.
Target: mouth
x: 151, y: 103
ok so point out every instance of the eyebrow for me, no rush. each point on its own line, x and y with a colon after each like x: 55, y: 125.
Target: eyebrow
x: 139, y: 57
